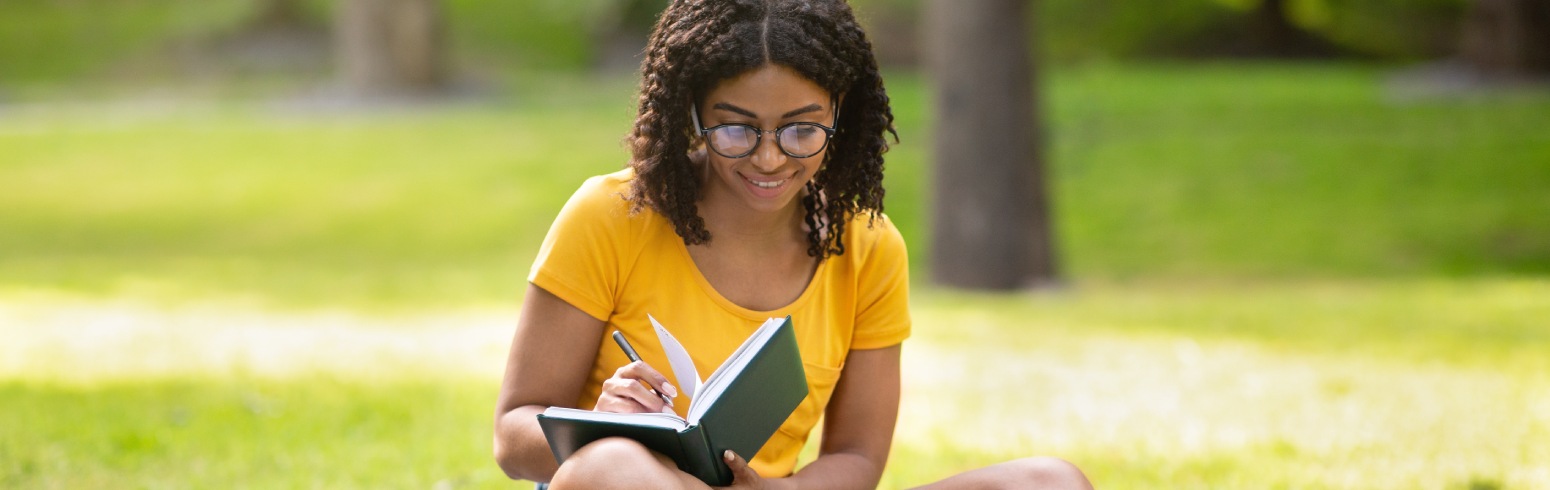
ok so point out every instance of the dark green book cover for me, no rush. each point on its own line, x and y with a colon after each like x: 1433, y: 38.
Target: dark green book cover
x: 739, y: 412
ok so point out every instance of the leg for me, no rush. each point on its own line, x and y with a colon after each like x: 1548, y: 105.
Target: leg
x: 617, y: 462
x: 1042, y: 472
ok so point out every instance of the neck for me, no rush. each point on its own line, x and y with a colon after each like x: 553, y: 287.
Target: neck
x: 743, y: 225
x: 731, y: 222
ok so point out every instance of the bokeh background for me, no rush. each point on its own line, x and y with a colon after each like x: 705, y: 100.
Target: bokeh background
x: 282, y: 243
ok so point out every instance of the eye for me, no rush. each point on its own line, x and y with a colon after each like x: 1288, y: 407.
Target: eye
x: 803, y: 131
x: 736, y: 132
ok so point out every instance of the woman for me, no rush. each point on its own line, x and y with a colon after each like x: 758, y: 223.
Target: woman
x: 754, y: 191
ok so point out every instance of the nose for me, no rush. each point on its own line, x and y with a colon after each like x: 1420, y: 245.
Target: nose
x: 767, y: 157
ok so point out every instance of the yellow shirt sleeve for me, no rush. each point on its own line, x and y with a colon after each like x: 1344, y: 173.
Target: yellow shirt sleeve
x: 581, y: 260
x: 883, y: 289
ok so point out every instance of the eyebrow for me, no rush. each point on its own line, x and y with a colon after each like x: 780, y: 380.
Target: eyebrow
x: 797, y: 112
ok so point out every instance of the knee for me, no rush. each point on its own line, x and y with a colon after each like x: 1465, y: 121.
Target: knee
x: 594, y: 465
x: 1048, y: 472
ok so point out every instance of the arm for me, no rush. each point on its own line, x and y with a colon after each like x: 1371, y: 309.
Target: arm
x: 551, y: 353
x: 858, y: 424
x: 860, y: 417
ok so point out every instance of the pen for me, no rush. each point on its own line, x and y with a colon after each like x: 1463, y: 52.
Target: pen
x: 630, y: 352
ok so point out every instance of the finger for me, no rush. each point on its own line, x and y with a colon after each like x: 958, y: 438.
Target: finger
x: 633, y: 390
x: 649, y: 375
x: 618, y: 404
x: 611, y: 401
x: 741, y: 472
x: 645, y: 373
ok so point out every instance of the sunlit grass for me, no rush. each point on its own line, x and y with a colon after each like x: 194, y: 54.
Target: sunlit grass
x: 1207, y: 386
x: 1281, y: 278
x: 1424, y: 384
x: 222, y: 432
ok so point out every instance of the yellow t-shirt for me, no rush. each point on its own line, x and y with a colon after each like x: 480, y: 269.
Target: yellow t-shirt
x: 619, y: 267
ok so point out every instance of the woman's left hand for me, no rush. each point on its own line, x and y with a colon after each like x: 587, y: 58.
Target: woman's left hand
x: 742, y: 475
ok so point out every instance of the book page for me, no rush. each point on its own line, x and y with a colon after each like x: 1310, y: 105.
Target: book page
x: 648, y: 419
x: 677, y: 358
x: 731, y: 368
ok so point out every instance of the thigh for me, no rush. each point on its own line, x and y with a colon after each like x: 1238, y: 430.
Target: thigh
x: 616, y: 462
x: 1042, y: 473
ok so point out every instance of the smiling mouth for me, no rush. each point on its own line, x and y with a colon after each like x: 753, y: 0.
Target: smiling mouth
x: 767, y: 184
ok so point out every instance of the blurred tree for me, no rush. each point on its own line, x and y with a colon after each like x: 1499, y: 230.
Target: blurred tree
x: 620, y: 36
x: 1244, y: 29
x: 1270, y: 32
x: 1394, y: 29
x: 281, y: 13
x: 391, y: 47
x: 1508, y: 38
x: 893, y: 27
x: 279, y: 38
x: 991, y: 222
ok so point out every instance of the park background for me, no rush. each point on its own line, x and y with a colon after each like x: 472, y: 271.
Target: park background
x: 1318, y: 262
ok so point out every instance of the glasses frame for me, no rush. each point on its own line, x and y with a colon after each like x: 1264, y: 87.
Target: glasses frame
x: 759, y: 133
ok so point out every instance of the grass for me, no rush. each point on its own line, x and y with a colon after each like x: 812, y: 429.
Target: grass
x: 1360, y: 385
x: 105, y: 46
x: 1217, y: 172
x: 43, y: 41
x: 1295, y: 171
x: 342, y: 207
x: 1284, y: 277
x: 224, y: 432
x: 1411, y: 384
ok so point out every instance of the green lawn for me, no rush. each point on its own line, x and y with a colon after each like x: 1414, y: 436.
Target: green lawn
x: 1217, y: 172
x: 1406, y: 384
x: 1282, y: 276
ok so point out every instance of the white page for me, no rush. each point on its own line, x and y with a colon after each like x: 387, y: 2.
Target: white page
x: 730, y: 368
x: 679, y: 360
x: 664, y: 420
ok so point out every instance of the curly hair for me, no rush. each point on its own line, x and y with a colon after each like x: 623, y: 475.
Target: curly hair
x: 699, y: 43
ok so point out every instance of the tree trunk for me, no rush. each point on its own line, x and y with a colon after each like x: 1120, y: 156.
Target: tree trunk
x: 280, y: 14
x: 1268, y: 32
x: 1508, y: 38
x: 1271, y: 29
x: 991, y: 221
x: 391, y: 47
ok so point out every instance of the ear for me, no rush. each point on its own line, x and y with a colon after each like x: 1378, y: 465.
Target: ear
x: 698, y: 158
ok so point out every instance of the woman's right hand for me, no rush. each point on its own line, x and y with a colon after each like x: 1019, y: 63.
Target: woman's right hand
x: 629, y: 390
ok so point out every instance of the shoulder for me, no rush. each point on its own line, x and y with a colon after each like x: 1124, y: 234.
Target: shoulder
x: 599, y: 212
x: 600, y: 202
x: 603, y: 193
x: 593, y: 242
x: 869, y: 240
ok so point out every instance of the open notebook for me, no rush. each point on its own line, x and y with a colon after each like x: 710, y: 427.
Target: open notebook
x: 738, y: 407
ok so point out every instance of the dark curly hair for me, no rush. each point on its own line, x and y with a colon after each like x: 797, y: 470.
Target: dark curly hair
x: 699, y: 43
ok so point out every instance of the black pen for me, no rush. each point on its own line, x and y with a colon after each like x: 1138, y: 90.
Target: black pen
x: 630, y: 353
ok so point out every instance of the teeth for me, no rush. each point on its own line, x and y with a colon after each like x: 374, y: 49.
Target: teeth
x: 768, y: 185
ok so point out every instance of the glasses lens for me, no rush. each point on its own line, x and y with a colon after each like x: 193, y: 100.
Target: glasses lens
x: 733, y: 141
x: 802, y: 140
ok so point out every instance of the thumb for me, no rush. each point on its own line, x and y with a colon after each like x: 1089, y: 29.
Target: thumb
x: 741, y: 473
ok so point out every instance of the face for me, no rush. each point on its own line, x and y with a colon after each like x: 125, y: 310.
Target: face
x: 768, y: 97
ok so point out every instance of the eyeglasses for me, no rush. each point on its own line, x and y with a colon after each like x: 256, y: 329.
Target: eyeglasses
x: 796, y: 140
